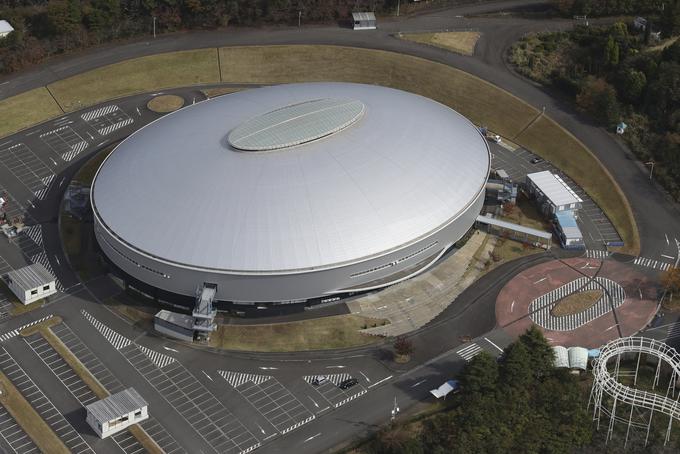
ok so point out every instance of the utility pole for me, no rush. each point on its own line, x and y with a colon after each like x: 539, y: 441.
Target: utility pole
x: 395, y: 410
x: 651, y: 170
x: 677, y: 244
x: 154, y: 27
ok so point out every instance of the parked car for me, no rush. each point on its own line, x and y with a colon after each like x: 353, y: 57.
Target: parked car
x: 346, y: 384
x: 536, y: 160
x: 319, y: 380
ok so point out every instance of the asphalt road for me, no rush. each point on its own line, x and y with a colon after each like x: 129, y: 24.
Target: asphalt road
x: 437, y: 345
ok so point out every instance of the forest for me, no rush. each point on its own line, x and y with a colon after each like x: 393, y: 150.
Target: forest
x: 48, y: 27
x: 619, y: 73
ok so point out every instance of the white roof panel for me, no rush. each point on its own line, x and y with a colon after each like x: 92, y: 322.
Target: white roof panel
x: 554, y: 188
x: 177, y: 190
x: 5, y: 27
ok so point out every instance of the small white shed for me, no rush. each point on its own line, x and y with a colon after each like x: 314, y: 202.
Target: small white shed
x: 364, y: 21
x: 5, y: 28
x: 116, y: 412
x: 31, y: 283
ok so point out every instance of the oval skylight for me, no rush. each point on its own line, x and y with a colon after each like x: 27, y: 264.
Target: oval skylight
x: 296, y: 124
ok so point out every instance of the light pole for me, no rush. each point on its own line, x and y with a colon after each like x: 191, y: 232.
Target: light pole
x: 154, y: 27
x: 395, y: 409
x: 299, y: 17
x: 398, y: 5
x: 677, y: 244
x: 651, y: 170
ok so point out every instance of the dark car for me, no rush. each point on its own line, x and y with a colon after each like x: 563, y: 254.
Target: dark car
x: 536, y: 160
x: 346, y: 384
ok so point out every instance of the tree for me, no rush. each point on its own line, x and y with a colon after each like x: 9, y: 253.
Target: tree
x: 670, y: 279
x: 598, y: 98
x: 516, y: 369
x: 480, y: 375
x: 611, y: 52
x: 632, y: 84
x: 403, y: 347
x: 542, y: 358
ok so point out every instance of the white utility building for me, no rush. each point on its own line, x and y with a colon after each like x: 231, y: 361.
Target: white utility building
x: 5, y: 28
x: 31, y: 283
x: 116, y: 412
x: 364, y: 21
x: 552, y: 193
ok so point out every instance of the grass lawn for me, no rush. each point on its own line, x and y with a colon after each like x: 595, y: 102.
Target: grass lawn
x: 549, y: 140
x: 469, y: 95
x: 219, y: 91
x: 576, y: 302
x: 27, y: 109
x: 165, y: 103
x: 459, y: 42
x: 29, y: 420
x: 340, y: 331
x: 155, y: 72
x: 507, y: 250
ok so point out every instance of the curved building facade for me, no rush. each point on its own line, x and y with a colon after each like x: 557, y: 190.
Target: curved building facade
x: 291, y: 192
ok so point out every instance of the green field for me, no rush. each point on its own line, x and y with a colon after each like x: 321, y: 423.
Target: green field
x: 139, y: 75
x: 27, y: 109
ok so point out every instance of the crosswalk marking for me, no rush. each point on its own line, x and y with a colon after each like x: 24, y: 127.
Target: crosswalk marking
x: 159, y: 359
x: 236, y: 379
x: 651, y: 263
x: 109, y: 129
x: 41, y: 258
x: 336, y: 379
x: 541, y: 307
x: 117, y: 340
x: 673, y: 331
x: 75, y: 151
x: 15, y: 332
x: 91, y: 115
x: 470, y: 351
x: 34, y: 232
x: 74, y: 147
x: 40, y: 194
x: 596, y: 254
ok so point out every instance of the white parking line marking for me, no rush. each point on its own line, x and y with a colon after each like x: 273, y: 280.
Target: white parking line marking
x: 380, y: 381
x: 312, y: 437
x: 489, y: 341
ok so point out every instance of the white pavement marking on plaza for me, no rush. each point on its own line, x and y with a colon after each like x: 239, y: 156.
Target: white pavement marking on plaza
x: 540, y: 309
x: 15, y: 332
x: 27, y: 168
x: 159, y: 359
x: 117, y: 340
x: 651, y: 263
x: 107, y: 119
x: 380, y: 381
x: 673, y: 331
x: 41, y: 258
x: 336, y: 379
x: 350, y: 398
x: 91, y: 115
x: 492, y: 343
x: 65, y: 142
x: 236, y: 379
x: 469, y: 351
x: 596, y: 254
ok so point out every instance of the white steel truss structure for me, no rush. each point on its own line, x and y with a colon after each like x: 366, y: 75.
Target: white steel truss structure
x: 608, y: 392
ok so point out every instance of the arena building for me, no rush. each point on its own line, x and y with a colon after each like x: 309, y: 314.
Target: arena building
x: 291, y: 193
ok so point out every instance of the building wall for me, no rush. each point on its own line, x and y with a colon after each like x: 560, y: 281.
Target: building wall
x: 107, y: 428
x: 253, y: 288
x: 28, y: 296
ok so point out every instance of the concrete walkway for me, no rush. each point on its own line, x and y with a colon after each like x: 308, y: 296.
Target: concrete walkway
x: 411, y: 304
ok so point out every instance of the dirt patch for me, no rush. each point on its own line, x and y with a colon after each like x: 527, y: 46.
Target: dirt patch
x: 458, y: 42
x: 165, y: 103
x: 576, y: 302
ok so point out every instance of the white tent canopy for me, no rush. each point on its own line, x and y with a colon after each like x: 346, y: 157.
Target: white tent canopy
x: 445, y: 389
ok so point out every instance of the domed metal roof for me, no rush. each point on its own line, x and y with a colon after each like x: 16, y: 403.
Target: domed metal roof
x: 179, y: 190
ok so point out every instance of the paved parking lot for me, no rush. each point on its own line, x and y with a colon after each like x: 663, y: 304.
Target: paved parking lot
x: 596, y: 228
x: 65, y: 142
x: 27, y: 168
x: 128, y: 443
x: 273, y: 401
x: 30, y: 242
x: 107, y: 119
x: 204, y: 413
x: 14, y: 436
x: 330, y: 391
x: 41, y: 404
